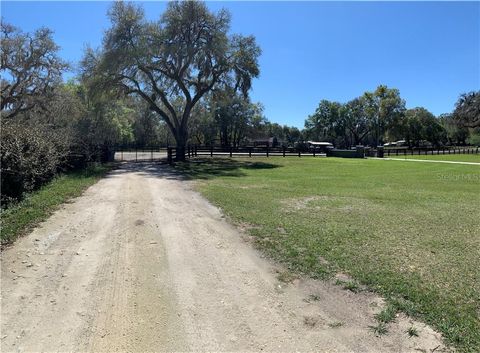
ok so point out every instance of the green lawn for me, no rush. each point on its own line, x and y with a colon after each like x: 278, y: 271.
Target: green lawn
x: 36, y: 207
x: 410, y: 231
x: 443, y: 157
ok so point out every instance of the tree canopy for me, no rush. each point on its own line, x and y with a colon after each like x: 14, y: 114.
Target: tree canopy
x: 30, y: 67
x: 383, y: 106
x: 467, y: 109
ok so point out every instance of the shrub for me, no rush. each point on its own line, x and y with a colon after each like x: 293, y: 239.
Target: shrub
x: 474, y: 139
x: 30, y: 156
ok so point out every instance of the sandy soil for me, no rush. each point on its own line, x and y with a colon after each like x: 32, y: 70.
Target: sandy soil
x: 141, y: 263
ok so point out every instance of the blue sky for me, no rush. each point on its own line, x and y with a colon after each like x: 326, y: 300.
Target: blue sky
x: 316, y: 50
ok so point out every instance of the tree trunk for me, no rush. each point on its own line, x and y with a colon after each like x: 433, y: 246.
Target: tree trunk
x: 356, y: 139
x: 180, y: 153
x: 181, y: 140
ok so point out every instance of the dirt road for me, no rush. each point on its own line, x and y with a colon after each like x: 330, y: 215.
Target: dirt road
x: 142, y: 263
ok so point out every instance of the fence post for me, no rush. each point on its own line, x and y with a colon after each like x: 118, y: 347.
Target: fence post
x: 196, y: 150
x: 299, y: 153
x: 169, y: 155
x: 314, y: 148
x: 230, y: 151
x: 136, y: 149
x: 380, y: 152
x: 267, y: 150
x: 211, y: 151
x: 249, y: 151
x: 284, y: 148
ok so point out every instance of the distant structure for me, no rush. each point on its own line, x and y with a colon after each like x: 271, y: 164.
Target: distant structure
x: 400, y: 143
x: 320, y: 146
x: 265, y: 142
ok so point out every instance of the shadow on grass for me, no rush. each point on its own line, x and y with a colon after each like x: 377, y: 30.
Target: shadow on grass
x: 198, y: 168
x: 208, y: 168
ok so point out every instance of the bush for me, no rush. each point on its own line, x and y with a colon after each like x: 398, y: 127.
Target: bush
x: 474, y: 139
x: 30, y: 157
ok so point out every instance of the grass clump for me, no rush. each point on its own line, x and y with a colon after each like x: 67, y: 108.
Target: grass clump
x: 314, y: 297
x: 412, y: 332
x: 380, y: 329
x: 387, y: 315
x: 286, y: 276
x: 352, y: 286
x: 336, y: 324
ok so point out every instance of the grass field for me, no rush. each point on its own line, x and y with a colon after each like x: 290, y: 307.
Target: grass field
x: 443, y: 157
x: 36, y: 207
x: 410, y: 231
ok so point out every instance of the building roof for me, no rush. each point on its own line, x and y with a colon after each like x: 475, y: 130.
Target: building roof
x: 320, y: 143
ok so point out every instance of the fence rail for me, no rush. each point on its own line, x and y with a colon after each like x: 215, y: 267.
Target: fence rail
x: 169, y: 154
x: 194, y: 151
x: 139, y: 154
x: 430, y: 151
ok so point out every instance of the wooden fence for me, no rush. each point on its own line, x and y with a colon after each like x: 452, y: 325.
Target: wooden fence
x: 194, y: 151
x: 390, y: 152
x: 162, y: 153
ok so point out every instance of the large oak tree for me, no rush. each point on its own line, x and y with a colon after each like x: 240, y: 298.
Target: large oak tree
x: 173, y: 62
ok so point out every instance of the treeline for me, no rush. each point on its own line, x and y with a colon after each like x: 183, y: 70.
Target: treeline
x: 379, y: 117
x: 373, y: 119
x: 227, y: 119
